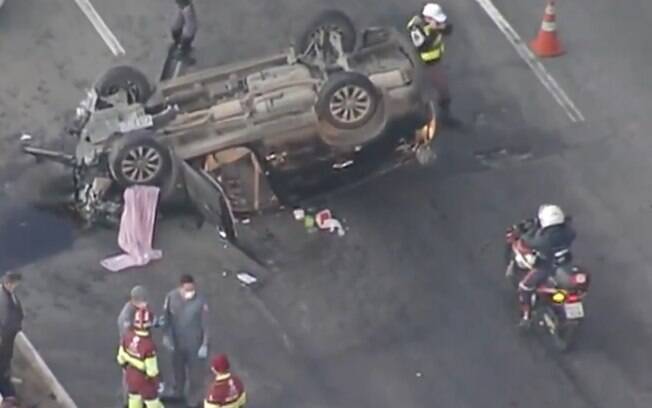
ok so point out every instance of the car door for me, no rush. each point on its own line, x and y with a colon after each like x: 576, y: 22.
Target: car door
x: 209, y: 199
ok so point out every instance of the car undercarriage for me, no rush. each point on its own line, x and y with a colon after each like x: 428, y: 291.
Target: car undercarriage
x: 335, y: 108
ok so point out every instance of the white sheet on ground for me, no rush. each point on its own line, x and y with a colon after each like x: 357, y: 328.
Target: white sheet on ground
x: 136, y: 229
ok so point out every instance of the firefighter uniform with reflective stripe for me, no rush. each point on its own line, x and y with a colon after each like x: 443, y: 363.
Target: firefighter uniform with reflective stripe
x: 137, y: 354
x: 227, y: 391
x: 428, y: 40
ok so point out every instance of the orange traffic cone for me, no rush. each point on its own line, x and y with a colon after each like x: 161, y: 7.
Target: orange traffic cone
x: 546, y: 44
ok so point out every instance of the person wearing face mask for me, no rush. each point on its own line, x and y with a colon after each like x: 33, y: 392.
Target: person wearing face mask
x: 186, y: 336
x: 11, y: 323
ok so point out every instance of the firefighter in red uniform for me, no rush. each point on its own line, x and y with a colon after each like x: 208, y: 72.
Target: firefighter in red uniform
x: 226, y: 391
x: 137, y: 355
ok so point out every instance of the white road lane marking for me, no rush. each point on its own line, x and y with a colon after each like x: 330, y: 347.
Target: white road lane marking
x: 532, y: 61
x: 101, y: 27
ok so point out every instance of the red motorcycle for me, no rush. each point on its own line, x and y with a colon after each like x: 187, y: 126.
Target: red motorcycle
x: 557, y: 306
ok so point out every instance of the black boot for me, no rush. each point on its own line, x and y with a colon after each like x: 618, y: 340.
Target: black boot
x: 447, y: 119
x: 526, y: 318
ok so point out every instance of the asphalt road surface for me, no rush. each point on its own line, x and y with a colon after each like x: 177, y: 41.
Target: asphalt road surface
x: 409, y: 308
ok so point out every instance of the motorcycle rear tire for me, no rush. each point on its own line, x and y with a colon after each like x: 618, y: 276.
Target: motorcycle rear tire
x: 565, y: 336
x: 565, y: 330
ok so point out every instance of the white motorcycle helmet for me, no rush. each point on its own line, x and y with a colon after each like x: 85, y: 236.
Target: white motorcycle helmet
x: 550, y: 214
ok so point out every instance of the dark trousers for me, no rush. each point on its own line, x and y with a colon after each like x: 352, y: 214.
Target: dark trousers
x: 189, y: 376
x: 6, y: 354
x: 184, y: 27
x: 436, y: 74
x: 532, y: 281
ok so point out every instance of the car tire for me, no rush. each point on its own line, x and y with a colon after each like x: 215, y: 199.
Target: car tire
x: 137, y: 158
x: 128, y: 78
x: 329, y: 19
x: 348, y: 100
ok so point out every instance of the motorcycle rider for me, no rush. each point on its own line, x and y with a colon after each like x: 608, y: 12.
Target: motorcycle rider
x: 549, y: 233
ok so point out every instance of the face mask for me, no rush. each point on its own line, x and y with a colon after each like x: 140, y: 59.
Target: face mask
x: 189, y: 295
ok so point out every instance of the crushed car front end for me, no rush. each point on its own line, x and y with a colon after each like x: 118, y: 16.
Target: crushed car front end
x: 97, y: 126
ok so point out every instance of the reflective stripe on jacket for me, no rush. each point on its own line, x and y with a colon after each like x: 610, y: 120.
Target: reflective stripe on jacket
x: 433, y: 48
x: 239, y: 403
x: 140, y: 358
x: 226, y: 392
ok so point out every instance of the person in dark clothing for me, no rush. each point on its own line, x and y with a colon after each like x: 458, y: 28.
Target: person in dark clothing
x: 186, y: 337
x: 184, y: 29
x: 11, y: 322
x: 550, y: 235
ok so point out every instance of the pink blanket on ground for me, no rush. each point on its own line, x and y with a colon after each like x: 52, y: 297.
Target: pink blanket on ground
x: 136, y: 229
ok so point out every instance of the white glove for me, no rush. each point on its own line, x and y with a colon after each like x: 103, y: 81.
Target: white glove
x: 159, y: 321
x: 203, y: 351
x: 168, y: 343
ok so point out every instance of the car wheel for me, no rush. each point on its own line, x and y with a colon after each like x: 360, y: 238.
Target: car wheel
x: 128, y: 79
x: 138, y: 159
x: 324, y: 22
x: 348, y: 100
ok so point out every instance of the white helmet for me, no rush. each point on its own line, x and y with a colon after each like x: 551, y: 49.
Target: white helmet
x: 434, y: 11
x: 550, y: 214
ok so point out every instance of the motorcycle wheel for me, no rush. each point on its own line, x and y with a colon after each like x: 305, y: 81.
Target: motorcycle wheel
x: 565, y: 336
x: 565, y: 330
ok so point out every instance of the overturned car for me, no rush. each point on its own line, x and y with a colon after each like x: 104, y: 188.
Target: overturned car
x: 338, y: 106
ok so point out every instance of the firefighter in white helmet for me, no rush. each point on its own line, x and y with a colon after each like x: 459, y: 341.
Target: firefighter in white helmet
x: 427, y: 32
